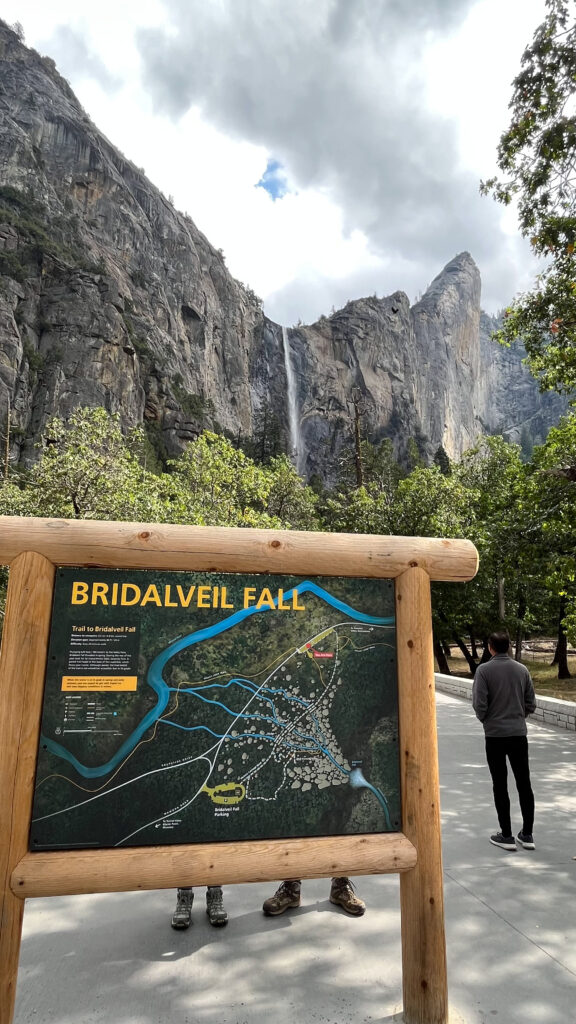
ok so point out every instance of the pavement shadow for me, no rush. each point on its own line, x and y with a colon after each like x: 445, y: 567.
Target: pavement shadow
x: 115, y: 957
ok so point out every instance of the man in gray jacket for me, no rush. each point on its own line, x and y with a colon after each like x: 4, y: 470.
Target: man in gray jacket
x: 502, y: 697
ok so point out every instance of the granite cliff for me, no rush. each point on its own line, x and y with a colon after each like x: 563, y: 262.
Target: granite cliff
x: 110, y: 297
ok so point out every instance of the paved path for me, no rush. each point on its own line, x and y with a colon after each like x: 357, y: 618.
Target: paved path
x: 511, y: 927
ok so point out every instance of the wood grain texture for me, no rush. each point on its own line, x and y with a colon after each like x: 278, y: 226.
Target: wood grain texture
x: 156, y: 867
x: 424, y: 976
x: 22, y: 666
x: 223, y: 549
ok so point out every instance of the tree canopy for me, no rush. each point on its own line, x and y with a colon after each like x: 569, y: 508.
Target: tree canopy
x: 520, y: 514
x: 537, y: 158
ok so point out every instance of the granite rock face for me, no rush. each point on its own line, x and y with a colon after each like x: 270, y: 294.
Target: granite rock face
x: 429, y: 372
x: 110, y: 297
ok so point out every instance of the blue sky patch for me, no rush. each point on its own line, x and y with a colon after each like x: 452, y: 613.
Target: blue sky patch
x: 273, y: 181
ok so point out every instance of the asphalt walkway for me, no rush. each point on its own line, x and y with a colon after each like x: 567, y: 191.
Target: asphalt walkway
x: 510, y: 919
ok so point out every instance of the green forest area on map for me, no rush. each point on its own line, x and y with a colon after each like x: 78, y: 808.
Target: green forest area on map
x: 244, y: 723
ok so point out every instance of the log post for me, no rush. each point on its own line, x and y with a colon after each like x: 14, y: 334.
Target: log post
x: 424, y: 978
x: 22, y: 667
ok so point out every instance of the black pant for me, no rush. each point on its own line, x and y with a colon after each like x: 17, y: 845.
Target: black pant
x: 515, y: 748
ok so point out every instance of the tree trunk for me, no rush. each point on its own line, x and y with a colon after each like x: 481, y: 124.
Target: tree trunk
x: 520, y: 613
x: 501, y: 599
x: 485, y: 651
x: 443, y: 665
x: 446, y: 648
x: 518, y: 642
x: 462, y: 646
x: 555, y: 658
x: 473, y: 647
x: 562, y: 645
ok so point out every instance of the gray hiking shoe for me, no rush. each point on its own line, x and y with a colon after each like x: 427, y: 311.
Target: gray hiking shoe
x: 182, y: 916
x: 215, y: 906
x: 342, y: 893
x: 287, y: 895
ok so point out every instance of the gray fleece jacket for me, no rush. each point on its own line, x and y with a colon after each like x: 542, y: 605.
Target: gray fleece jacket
x: 502, y: 696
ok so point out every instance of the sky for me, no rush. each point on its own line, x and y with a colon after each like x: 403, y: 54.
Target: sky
x: 331, y: 148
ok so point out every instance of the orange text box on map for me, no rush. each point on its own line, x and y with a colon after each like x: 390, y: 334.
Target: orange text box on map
x: 108, y: 683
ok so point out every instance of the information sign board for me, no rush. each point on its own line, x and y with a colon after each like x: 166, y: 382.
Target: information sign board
x: 193, y: 707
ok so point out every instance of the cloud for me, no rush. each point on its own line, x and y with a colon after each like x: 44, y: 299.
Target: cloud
x: 365, y: 126
x: 333, y: 90
x: 76, y: 59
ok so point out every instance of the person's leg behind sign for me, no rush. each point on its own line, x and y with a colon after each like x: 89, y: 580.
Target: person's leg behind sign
x: 287, y: 896
x: 182, y: 916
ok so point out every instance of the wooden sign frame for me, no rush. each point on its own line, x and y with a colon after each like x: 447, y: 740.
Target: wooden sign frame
x: 33, y: 548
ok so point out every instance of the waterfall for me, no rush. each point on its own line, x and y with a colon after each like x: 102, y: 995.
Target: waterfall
x: 293, y: 419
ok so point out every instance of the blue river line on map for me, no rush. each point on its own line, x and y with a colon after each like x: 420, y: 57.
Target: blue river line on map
x: 156, y: 681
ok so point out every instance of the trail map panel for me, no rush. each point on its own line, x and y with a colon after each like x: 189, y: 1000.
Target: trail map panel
x: 204, y: 707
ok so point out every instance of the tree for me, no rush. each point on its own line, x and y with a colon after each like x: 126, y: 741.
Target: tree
x: 430, y: 504
x: 215, y: 484
x: 289, y: 499
x: 506, y: 539
x: 369, y: 508
x: 266, y: 440
x: 87, y: 470
x: 537, y: 156
x: 442, y: 460
x: 555, y: 475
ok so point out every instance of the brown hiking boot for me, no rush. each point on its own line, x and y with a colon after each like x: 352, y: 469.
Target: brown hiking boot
x: 287, y: 895
x: 342, y: 893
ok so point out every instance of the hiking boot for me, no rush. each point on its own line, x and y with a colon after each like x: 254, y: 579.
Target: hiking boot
x: 526, y: 839
x: 182, y: 916
x: 342, y: 893
x: 505, y: 842
x: 215, y: 906
x: 287, y: 895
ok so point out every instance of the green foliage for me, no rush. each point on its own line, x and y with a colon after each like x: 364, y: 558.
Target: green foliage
x: 554, y: 481
x: 521, y: 516
x: 266, y: 441
x: 154, y: 454
x: 290, y: 501
x: 429, y: 504
x: 414, y: 457
x: 196, y: 406
x: 215, y: 484
x: 370, y: 508
x: 38, y: 236
x: 381, y: 471
x: 442, y: 460
x: 35, y: 360
x: 536, y: 156
x: 88, y: 470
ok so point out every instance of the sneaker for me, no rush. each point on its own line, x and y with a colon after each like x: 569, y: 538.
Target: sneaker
x: 182, y: 916
x: 342, y: 893
x: 526, y: 839
x: 215, y: 906
x: 287, y: 895
x: 505, y: 842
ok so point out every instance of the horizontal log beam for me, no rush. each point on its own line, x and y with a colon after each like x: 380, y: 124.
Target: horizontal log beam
x: 67, y: 873
x: 232, y: 549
